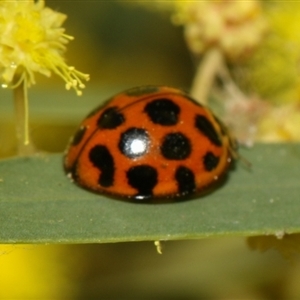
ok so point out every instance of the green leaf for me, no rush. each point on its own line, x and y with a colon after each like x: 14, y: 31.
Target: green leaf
x: 38, y: 204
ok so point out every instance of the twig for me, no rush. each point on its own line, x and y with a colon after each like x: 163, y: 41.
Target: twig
x: 206, y: 75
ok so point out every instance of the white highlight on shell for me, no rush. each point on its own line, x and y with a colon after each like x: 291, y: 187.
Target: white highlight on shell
x: 138, y: 146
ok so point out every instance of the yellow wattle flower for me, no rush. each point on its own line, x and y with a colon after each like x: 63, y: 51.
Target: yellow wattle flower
x: 235, y: 27
x: 32, y: 40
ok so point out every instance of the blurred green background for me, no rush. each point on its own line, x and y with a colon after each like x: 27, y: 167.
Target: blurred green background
x: 123, y: 45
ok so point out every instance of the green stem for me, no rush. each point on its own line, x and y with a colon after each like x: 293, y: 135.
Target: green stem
x: 25, y: 146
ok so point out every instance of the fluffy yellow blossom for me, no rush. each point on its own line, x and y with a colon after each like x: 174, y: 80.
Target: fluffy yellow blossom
x: 273, y: 71
x: 280, y: 124
x: 236, y: 27
x: 32, y: 40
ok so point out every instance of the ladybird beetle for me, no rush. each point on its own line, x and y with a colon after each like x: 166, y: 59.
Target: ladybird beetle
x: 150, y: 142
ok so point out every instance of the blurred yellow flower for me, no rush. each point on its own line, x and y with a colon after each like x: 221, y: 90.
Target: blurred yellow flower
x: 235, y: 27
x: 32, y: 40
x: 281, y: 123
x: 273, y: 70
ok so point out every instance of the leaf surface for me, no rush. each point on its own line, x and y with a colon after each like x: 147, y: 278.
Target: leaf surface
x: 38, y: 204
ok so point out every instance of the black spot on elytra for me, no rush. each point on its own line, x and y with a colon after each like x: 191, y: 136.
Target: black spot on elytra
x: 102, y: 159
x: 111, y: 118
x: 78, y: 136
x: 142, y: 90
x: 185, y: 180
x: 134, y: 142
x: 163, y: 112
x: 210, y: 161
x: 176, y: 146
x: 206, y: 128
x: 143, y: 178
